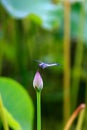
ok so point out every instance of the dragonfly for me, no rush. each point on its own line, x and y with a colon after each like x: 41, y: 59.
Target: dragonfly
x: 44, y: 65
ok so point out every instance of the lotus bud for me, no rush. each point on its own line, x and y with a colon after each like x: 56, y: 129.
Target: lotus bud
x: 38, y: 82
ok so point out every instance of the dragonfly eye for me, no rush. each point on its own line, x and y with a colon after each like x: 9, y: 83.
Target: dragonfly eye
x: 43, y: 65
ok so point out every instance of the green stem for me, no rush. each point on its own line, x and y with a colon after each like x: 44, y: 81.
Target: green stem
x: 80, y: 120
x: 73, y: 116
x: 78, y: 61
x: 66, y: 60
x: 38, y: 110
x: 21, y: 50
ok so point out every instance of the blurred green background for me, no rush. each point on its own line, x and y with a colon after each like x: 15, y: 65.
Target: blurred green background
x: 39, y: 34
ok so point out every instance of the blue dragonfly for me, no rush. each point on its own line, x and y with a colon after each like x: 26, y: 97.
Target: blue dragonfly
x: 44, y: 65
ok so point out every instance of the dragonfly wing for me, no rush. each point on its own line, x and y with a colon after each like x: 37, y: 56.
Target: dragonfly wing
x: 44, y: 65
x: 54, y: 64
x: 38, y: 61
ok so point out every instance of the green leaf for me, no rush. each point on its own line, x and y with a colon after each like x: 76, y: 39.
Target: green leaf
x: 40, y: 9
x: 23, y: 8
x: 11, y: 121
x: 47, y: 14
x: 18, y: 104
x: 52, y: 18
x: 18, y: 8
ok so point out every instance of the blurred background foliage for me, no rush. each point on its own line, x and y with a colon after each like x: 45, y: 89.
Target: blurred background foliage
x: 32, y: 30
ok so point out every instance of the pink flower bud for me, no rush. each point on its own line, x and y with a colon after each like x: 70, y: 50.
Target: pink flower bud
x: 38, y: 82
